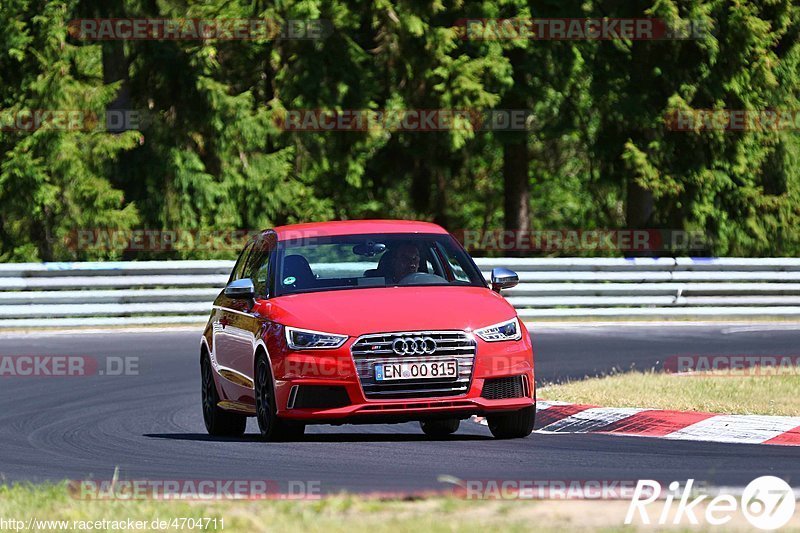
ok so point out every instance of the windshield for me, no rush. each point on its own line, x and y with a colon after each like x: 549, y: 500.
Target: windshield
x: 362, y: 261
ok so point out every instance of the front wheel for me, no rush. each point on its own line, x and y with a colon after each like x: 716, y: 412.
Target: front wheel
x: 272, y: 428
x: 219, y: 422
x: 514, y: 425
x: 440, y: 428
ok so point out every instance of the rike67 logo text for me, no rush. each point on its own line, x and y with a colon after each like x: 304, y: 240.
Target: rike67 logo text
x: 767, y: 502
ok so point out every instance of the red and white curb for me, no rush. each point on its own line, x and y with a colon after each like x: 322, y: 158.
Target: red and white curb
x: 559, y: 417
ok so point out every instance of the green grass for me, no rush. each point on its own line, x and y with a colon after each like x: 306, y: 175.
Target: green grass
x: 340, y: 513
x: 713, y: 393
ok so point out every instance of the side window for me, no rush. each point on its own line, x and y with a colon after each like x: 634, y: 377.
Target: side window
x: 261, y: 277
x: 257, y: 268
x: 429, y: 263
x: 456, y: 268
x: 238, y: 268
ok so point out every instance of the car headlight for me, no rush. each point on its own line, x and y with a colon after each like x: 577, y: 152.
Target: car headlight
x: 509, y: 330
x: 304, y: 339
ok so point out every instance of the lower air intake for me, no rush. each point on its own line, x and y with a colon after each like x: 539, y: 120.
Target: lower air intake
x: 503, y: 388
x: 318, y: 397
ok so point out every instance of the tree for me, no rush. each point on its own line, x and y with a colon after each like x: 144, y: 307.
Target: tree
x: 53, y: 178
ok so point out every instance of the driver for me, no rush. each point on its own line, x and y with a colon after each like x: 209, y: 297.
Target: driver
x: 404, y: 261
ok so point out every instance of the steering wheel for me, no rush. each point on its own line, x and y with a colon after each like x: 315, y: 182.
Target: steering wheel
x: 421, y: 278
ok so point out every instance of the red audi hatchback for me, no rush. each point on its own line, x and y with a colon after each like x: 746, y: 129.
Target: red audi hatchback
x: 364, y: 322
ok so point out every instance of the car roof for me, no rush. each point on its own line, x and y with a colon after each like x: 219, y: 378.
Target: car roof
x: 355, y: 227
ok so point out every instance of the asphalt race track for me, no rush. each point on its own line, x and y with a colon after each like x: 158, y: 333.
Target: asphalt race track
x: 150, y: 425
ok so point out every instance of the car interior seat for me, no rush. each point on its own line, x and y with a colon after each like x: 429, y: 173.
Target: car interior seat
x: 383, y: 267
x: 297, y: 267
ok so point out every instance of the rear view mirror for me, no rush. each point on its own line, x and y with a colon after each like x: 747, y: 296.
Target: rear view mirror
x: 369, y: 249
x: 241, y: 289
x: 503, y: 278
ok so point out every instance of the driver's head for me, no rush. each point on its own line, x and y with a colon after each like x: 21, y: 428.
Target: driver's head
x: 405, y: 260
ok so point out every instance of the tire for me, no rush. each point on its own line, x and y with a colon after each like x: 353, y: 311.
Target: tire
x: 219, y: 423
x: 440, y: 428
x: 272, y: 428
x: 516, y: 425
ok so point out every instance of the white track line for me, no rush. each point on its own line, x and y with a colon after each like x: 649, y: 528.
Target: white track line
x: 591, y: 419
x: 743, y: 429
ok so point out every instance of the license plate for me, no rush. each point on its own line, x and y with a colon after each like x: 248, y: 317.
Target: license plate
x: 417, y: 370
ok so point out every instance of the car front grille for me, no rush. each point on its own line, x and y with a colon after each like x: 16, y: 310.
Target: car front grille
x: 377, y: 348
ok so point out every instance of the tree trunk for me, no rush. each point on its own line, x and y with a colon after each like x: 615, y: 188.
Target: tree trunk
x: 516, y: 192
x: 638, y: 206
x: 638, y: 210
x: 115, y: 67
x: 516, y: 186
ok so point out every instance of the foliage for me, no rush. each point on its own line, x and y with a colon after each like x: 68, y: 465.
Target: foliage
x: 209, y: 153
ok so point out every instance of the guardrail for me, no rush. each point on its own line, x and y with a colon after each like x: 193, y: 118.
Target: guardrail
x: 169, y: 292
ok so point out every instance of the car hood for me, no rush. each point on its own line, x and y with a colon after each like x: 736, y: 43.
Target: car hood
x: 374, y: 310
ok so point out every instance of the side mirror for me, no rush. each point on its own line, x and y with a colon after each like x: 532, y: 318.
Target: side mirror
x: 241, y: 289
x: 503, y: 278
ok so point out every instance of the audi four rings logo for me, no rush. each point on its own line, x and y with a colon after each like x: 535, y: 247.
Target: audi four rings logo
x: 414, y: 345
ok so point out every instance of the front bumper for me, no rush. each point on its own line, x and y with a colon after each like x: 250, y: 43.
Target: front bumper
x: 336, y: 368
